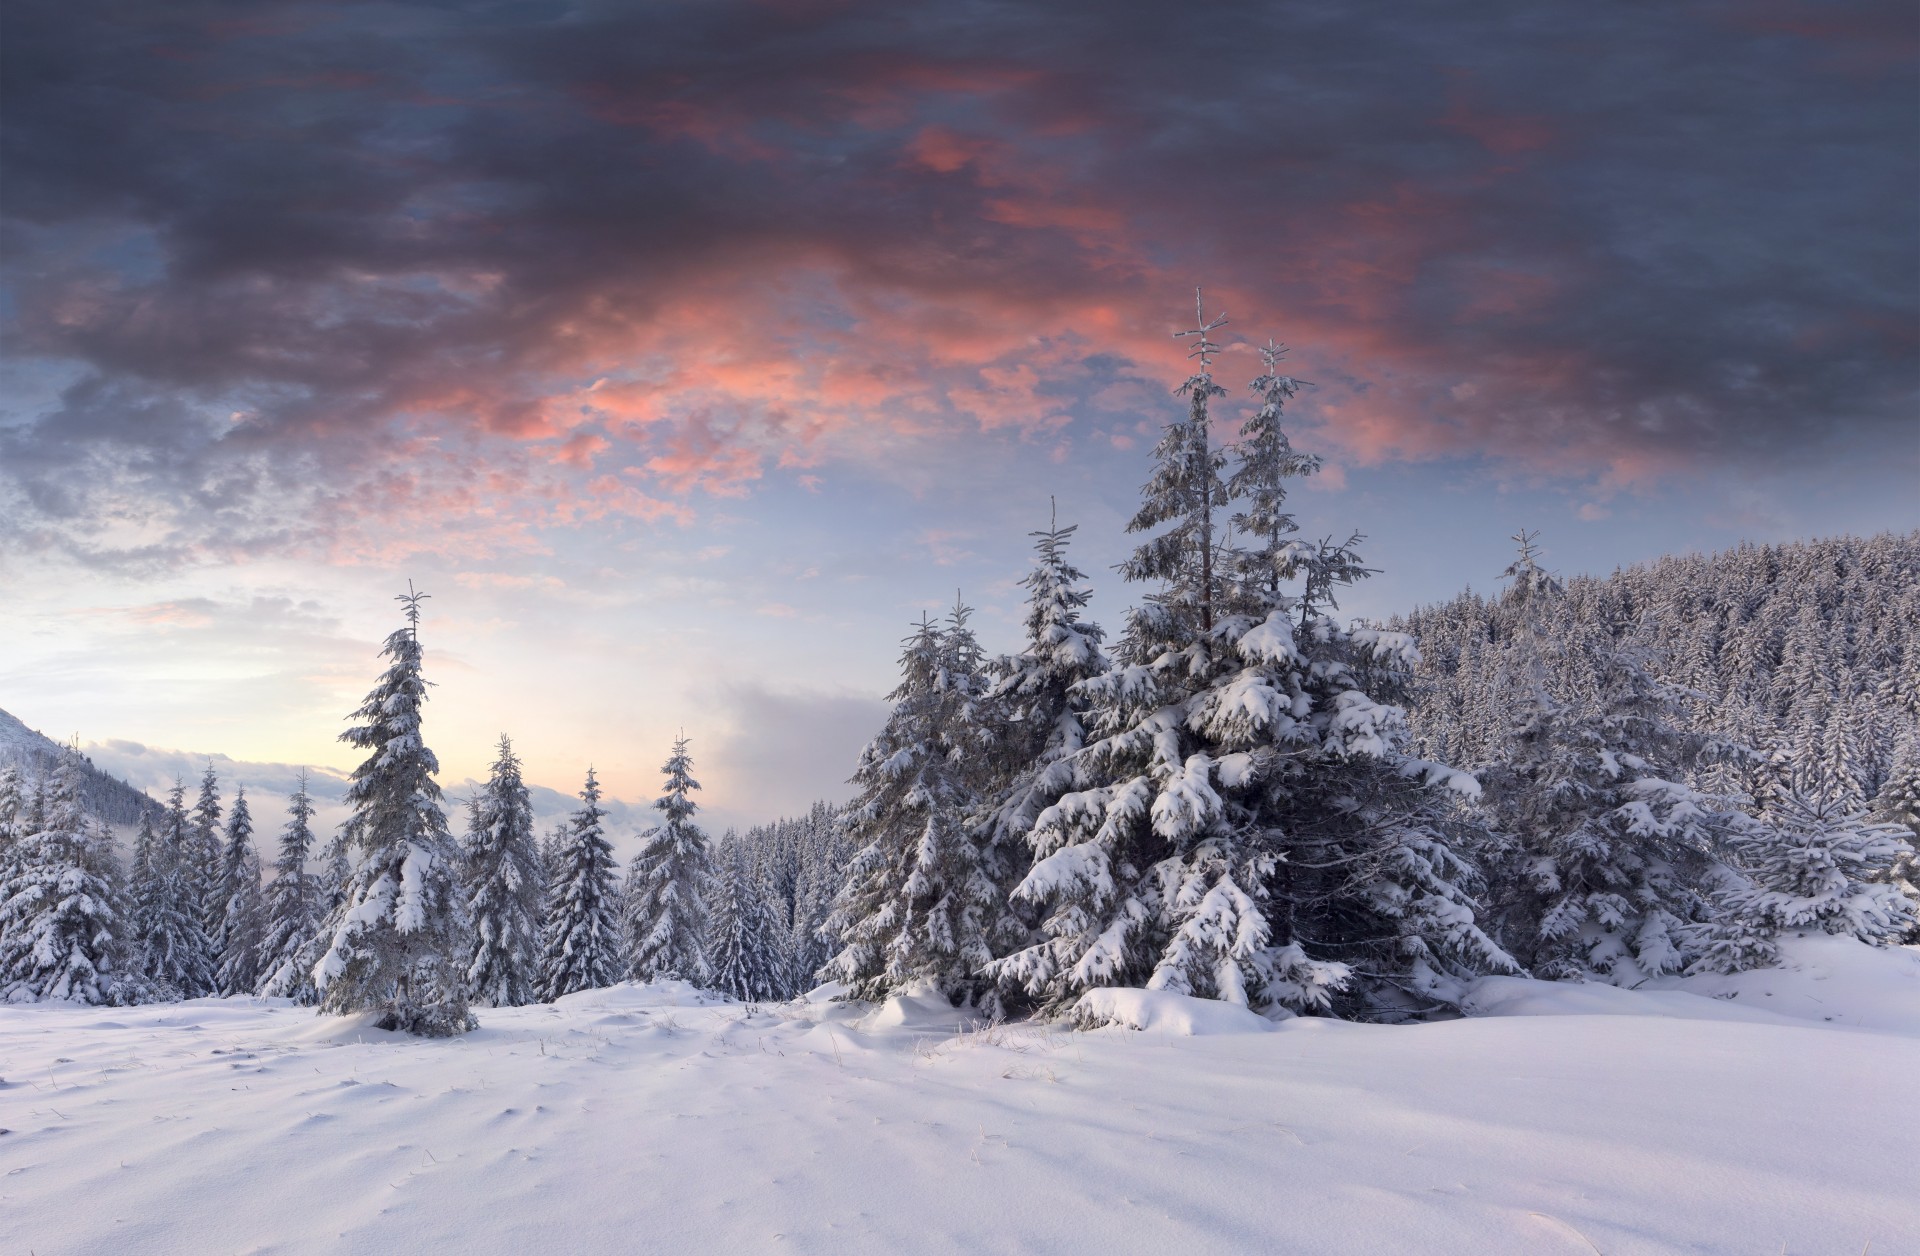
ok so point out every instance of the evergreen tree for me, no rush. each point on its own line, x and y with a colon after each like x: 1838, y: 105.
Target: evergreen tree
x: 206, y: 865
x: 668, y: 885
x: 740, y: 947
x: 238, y: 943
x: 919, y: 902
x: 1265, y: 461
x: 1034, y: 700
x: 399, y: 944
x: 143, y: 883
x: 1816, y: 864
x: 61, y: 927
x: 1182, y: 492
x: 504, y: 888
x: 1608, y: 852
x: 293, y: 911
x: 12, y: 809
x: 175, y: 950
x: 1245, y: 823
x: 582, y: 939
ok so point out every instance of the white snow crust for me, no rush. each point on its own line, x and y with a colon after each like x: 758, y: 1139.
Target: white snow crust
x: 1765, y: 1112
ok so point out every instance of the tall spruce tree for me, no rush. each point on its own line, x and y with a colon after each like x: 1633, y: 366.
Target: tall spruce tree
x: 1265, y: 461
x: 505, y: 884
x: 293, y: 911
x: 245, y: 919
x: 669, y: 884
x: 1245, y: 823
x: 920, y: 904
x: 581, y: 950
x: 741, y: 948
x: 399, y: 943
x: 1034, y: 699
x: 13, y: 809
x: 206, y: 863
x: 176, y: 952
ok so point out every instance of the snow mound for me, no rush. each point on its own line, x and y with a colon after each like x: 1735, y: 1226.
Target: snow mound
x: 1836, y: 982
x: 1524, y: 996
x: 1833, y: 981
x: 920, y: 1008
x: 1163, y: 1012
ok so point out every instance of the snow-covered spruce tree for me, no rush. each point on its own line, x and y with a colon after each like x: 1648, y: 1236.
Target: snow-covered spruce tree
x: 1038, y: 715
x: 206, y: 862
x: 293, y: 910
x: 581, y: 939
x: 12, y: 808
x: 1244, y: 824
x: 399, y: 943
x: 669, y: 884
x: 919, y: 904
x: 1606, y: 854
x: 1265, y: 460
x: 175, y: 950
x: 504, y: 889
x: 61, y: 916
x: 741, y: 949
x: 1899, y: 804
x: 245, y: 922
x: 1812, y: 862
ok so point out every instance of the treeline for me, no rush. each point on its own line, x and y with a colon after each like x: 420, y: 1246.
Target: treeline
x: 193, y: 915
x: 1226, y: 801
x: 1808, y: 652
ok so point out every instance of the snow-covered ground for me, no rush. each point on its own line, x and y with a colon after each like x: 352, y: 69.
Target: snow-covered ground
x: 654, y: 1119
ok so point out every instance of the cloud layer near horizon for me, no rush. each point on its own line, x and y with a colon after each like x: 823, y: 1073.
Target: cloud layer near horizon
x: 354, y: 281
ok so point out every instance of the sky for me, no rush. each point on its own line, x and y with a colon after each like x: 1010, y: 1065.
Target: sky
x: 685, y: 353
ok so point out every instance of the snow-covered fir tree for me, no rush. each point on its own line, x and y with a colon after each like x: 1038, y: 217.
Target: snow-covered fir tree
x: 742, y: 949
x: 1899, y: 804
x: 1812, y: 864
x: 245, y: 919
x: 1245, y: 823
x: 206, y: 860
x: 582, y: 934
x: 288, y: 943
x: 1265, y: 461
x: 175, y: 950
x: 504, y: 888
x: 669, y: 884
x: 1605, y: 854
x: 62, y: 932
x: 1034, y: 703
x: 920, y: 905
x: 399, y: 944
x: 12, y: 808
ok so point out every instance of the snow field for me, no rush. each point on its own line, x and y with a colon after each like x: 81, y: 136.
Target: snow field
x: 658, y: 1119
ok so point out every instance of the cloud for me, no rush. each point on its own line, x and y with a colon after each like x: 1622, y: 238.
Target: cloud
x: 407, y: 279
x: 784, y: 746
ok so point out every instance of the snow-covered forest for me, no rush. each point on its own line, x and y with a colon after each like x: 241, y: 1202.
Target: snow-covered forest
x: 1615, y: 806
x: 1237, y: 796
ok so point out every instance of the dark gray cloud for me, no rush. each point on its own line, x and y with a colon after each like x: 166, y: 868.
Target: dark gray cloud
x: 302, y: 267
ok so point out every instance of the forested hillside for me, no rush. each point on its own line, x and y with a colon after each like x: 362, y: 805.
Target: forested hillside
x: 1808, y: 651
x: 105, y: 797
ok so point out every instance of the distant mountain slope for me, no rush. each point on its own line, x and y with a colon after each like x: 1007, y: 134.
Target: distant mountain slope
x: 106, y: 797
